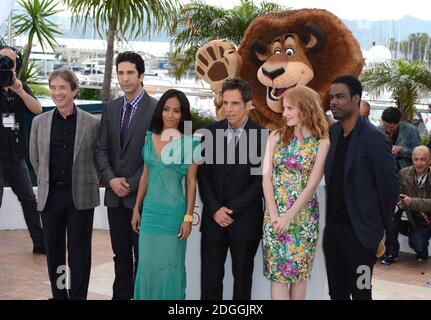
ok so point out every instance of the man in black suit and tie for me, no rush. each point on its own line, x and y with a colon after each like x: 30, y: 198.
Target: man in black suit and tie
x: 230, y: 184
x: 118, y: 156
x: 362, y: 190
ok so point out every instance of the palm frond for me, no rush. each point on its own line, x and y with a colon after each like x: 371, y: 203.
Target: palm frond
x: 30, y: 74
x: 407, y: 82
x: 125, y: 19
x: 197, y: 23
x: 35, y: 20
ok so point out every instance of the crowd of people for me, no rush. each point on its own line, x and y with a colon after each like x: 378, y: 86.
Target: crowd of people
x: 255, y: 187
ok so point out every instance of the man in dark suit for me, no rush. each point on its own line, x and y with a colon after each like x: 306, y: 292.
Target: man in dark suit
x: 230, y: 185
x: 362, y: 190
x: 118, y: 155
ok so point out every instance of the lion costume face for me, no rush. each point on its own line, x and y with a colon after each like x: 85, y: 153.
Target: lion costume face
x: 285, y: 65
x: 281, y: 50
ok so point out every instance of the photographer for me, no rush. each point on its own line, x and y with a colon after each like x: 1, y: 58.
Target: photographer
x: 402, y: 135
x: 415, y: 200
x: 15, y: 99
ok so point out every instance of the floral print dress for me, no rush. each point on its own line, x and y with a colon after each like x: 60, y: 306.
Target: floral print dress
x: 289, y: 257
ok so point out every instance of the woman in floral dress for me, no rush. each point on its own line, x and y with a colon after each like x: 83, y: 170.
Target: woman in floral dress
x: 293, y: 168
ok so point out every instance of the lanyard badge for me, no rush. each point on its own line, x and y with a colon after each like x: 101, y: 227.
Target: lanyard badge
x: 8, y: 120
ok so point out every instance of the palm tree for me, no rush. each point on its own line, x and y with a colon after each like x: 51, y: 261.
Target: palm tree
x: 407, y: 82
x: 30, y: 74
x: 198, y: 23
x: 117, y: 18
x: 34, y: 21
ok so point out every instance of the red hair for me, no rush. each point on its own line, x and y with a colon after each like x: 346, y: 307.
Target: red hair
x: 310, y: 112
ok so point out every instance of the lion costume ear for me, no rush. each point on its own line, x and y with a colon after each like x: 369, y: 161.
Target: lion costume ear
x: 312, y: 37
x: 259, y: 52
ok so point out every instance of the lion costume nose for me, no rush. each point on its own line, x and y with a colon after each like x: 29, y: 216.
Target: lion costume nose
x: 274, y: 73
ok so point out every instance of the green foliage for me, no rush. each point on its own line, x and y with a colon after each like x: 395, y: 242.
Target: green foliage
x: 116, y: 18
x: 407, y: 82
x: 39, y: 90
x: 89, y: 94
x: 197, y: 23
x: 29, y: 74
x: 425, y: 139
x: 135, y: 16
x: 34, y: 21
x: 201, y: 119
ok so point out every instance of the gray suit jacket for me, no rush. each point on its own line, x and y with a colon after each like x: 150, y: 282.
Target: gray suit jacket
x: 114, y: 161
x: 85, y: 179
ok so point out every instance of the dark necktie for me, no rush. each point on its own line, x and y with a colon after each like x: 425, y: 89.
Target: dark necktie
x: 231, y: 146
x: 125, y: 124
x: 421, y: 181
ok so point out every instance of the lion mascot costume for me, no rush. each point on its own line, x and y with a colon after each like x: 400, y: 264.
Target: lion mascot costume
x: 279, y: 51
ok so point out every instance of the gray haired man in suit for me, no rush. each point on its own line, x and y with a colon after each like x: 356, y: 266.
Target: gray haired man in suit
x: 119, y: 158
x: 62, y: 153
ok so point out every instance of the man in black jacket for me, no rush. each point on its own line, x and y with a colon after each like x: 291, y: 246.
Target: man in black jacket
x: 362, y: 190
x: 15, y: 101
x: 230, y: 184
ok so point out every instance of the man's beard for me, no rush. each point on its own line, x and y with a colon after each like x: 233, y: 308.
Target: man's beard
x: 341, y: 114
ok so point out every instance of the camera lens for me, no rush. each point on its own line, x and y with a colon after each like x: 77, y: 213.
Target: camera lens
x: 6, y: 74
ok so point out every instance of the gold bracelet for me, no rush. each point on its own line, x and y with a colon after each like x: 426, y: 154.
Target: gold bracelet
x: 188, y: 218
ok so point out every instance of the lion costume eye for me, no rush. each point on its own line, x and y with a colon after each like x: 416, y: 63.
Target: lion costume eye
x: 277, y: 51
x: 290, y: 52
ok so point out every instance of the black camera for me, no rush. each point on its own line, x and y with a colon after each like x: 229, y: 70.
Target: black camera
x: 6, y: 73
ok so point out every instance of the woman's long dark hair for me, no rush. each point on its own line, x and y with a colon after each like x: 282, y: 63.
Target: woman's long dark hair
x: 157, y: 120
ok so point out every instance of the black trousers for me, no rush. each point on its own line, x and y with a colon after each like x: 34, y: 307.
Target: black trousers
x: 213, y: 257
x: 61, y: 218
x: 391, y: 243
x: 349, y: 264
x: 19, y: 180
x: 418, y: 237
x: 125, y: 247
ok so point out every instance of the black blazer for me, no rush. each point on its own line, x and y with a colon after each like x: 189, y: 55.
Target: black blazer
x: 371, y: 185
x: 233, y: 186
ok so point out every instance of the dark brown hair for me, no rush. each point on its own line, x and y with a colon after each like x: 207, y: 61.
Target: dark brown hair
x: 68, y: 76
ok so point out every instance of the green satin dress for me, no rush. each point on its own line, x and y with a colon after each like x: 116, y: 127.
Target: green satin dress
x: 161, y: 273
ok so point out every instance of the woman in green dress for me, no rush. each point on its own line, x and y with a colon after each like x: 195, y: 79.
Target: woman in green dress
x: 167, y: 207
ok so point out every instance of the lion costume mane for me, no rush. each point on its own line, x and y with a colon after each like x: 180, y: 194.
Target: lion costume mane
x: 278, y: 51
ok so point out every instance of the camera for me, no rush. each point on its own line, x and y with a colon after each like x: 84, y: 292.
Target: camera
x: 6, y: 73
